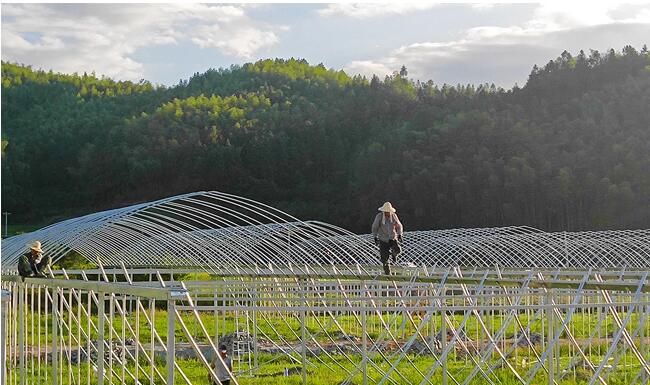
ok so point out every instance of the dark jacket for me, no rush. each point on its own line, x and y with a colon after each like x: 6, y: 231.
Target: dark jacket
x: 28, y: 269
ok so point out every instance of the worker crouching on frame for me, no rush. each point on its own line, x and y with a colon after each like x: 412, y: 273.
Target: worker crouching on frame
x: 387, y: 231
x: 32, y: 263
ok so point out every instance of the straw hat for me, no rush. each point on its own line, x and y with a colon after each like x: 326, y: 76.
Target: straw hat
x: 36, y: 246
x: 387, y: 208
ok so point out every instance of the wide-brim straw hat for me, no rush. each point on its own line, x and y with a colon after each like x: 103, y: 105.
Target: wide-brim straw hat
x: 387, y: 208
x: 36, y: 246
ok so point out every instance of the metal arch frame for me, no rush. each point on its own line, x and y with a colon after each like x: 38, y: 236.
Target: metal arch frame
x: 267, y: 262
x: 184, y: 230
x: 223, y: 232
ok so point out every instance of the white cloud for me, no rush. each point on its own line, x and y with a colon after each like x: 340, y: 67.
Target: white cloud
x: 557, y: 15
x: 505, y: 55
x: 104, y: 37
x: 243, y: 42
x: 368, y: 10
x: 483, y: 6
x: 368, y: 68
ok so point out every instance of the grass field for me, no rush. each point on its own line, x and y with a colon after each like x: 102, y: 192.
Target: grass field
x: 287, y: 329
x: 274, y: 373
x: 582, y: 325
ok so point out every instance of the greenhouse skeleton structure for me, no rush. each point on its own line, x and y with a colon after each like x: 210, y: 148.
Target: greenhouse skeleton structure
x: 464, y: 306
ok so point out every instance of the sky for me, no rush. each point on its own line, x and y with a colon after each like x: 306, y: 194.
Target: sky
x: 446, y: 43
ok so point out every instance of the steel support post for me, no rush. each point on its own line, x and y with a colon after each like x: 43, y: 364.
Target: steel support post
x: 256, y: 302
x: 137, y: 339
x: 62, y: 323
x: 557, y: 326
x: 22, y: 290
x: 216, y: 316
x: 550, y: 348
x: 223, y: 311
x: 5, y: 297
x: 152, y: 346
x: 100, y: 337
x: 443, y: 342
x: 111, y: 319
x: 171, y: 352
x: 303, y: 330
x: 364, y: 339
x: 644, y: 335
x: 55, y: 336
x: 89, y: 304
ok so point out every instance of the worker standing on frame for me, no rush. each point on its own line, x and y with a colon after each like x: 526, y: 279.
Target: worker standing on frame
x: 387, y: 232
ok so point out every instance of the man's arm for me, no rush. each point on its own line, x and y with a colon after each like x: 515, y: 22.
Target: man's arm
x: 399, y: 229
x: 375, y: 226
x: 43, y: 264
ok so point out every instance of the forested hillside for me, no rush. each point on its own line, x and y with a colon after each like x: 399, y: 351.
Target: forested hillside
x: 570, y: 150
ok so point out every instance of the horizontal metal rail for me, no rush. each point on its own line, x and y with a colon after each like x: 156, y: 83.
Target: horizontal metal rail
x: 548, y: 284
x: 103, y: 287
x: 565, y: 283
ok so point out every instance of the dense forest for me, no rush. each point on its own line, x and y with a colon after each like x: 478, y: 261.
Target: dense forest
x: 569, y: 150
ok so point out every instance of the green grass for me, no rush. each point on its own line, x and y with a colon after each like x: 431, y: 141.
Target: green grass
x: 273, y: 368
x: 288, y: 327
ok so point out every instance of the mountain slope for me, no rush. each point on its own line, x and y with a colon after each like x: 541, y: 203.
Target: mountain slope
x: 569, y: 150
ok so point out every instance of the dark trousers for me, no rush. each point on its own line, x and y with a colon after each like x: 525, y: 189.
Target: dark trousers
x: 387, y: 249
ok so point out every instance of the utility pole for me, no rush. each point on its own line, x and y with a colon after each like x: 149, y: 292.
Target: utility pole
x: 6, y: 214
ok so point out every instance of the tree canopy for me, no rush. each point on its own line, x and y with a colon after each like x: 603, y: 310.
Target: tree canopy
x: 570, y: 150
